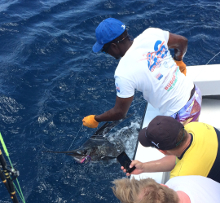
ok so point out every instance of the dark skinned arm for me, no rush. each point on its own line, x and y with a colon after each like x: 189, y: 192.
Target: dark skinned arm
x: 118, y: 112
x: 179, y: 44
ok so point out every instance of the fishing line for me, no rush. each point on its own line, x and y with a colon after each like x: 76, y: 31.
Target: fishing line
x: 127, y: 116
x: 75, y: 137
x: 213, y: 58
x: 111, y: 128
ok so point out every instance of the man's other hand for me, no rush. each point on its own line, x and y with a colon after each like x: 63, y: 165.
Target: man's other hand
x: 182, y: 66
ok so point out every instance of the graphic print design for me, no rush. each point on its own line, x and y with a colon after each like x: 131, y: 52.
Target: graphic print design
x: 154, y: 58
x: 117, y: 87
x: 173, y: 81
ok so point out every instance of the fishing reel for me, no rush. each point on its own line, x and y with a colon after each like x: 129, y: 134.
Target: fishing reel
x: 13, y: 173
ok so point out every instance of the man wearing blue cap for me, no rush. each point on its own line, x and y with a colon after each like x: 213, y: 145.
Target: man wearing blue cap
x: 147, y: 66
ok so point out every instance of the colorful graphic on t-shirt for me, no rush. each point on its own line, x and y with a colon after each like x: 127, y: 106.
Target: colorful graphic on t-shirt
x: 154, y: 58
x: 159, y: 76
x: 173, y: 81
x: 117, y: 87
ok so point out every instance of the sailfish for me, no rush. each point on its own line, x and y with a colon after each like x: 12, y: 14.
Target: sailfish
x: 98, y: 146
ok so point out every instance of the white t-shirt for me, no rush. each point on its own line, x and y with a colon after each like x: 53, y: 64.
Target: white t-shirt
x: 149, y: 67
x: 199, y: 189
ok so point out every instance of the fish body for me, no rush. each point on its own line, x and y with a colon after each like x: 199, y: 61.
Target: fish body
x: 98, y: 146
x: 97, y: 149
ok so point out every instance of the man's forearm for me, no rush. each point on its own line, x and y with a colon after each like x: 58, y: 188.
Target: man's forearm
x: 118, y: 112
x: 162, y: 165
x: 179, y: 44
x: 110, y: 115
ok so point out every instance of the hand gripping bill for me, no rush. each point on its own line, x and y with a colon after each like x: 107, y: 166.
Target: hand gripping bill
x: 90, y: 122
x: 182, y: 66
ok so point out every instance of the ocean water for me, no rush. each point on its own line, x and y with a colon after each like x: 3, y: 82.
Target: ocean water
x: 50, y: 79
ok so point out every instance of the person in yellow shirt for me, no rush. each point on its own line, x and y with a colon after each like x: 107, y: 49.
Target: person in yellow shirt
x: 190, y: 150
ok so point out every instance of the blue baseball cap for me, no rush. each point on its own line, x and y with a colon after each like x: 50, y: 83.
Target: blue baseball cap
x: 108, y: 30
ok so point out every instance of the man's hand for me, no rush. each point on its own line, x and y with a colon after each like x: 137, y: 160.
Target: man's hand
x: 90, y: 122
x: 165, y: 164
x: 139, y: 168
x: 182, y: 66
x: 179, y: 44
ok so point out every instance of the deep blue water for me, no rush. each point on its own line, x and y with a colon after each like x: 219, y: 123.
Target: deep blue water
x: 50, y: 80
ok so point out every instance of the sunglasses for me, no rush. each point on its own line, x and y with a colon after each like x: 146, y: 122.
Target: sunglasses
x: 106, y: 46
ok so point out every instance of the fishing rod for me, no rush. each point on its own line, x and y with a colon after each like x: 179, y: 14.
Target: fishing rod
x: 8, y: 174
x: 2, y: 176
x: 6, y: 178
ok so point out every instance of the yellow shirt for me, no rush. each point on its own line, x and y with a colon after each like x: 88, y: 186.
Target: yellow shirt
x: 200, y: 157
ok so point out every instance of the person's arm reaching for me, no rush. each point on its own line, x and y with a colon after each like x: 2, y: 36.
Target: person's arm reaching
x: 118, y: 112
x: 165, y: 164
x: 179, y: 44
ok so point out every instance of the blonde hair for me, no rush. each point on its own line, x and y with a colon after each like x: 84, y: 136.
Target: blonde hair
x: 143, y: 191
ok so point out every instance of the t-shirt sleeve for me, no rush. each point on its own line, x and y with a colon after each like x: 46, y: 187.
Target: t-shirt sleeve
x: 124, y: 87
x: 162, y: 34
x: 166, y: 35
